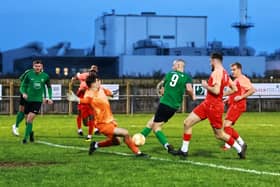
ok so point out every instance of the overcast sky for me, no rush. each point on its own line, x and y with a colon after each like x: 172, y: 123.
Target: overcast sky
x: 52, y: 21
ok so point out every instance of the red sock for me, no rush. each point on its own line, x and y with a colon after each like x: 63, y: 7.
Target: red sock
x: 79, y: 122
x: 187, y: 137
x: 131, y: 145
x: 234, y: 134
x: 230, y: 141
x: 90, y: 124
x: 228, y: 130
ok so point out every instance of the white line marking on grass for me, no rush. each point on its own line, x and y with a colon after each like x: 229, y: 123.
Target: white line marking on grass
x: 266, y: 125
x: 252, y: 171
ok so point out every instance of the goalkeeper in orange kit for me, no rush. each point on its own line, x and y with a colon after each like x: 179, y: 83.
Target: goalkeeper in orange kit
x: 97, y: 97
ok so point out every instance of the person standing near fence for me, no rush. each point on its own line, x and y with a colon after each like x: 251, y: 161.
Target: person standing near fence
x: 175, y: 83
x: 237, y: 102
x: 32, y: 90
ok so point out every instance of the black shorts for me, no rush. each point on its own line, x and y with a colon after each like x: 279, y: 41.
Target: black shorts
x: 164, y: 113
x: 33, y: 107
x: 22, y: 101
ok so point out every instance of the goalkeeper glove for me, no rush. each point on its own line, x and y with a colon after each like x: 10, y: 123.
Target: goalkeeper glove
x: 72, y: 97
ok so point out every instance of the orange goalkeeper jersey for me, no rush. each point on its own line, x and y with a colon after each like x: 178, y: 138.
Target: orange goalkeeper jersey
x: 98, y: 100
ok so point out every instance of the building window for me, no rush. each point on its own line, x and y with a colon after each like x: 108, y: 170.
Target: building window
x: 154, y: 36
x: 169, y: 37
x: 65, y: 71
x: 57, y: 70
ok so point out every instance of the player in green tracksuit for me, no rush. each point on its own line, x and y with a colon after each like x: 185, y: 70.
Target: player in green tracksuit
x: 175, y: 83
x: 32, y: 90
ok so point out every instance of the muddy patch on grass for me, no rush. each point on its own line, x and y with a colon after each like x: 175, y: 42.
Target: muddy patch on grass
x: 26, y: 164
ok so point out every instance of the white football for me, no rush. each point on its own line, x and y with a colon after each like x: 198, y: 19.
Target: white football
x: 139, y: 139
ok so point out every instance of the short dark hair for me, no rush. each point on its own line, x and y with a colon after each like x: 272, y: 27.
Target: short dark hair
x: 217, y: 55
x: 93, y: 68
x: 237, y: 64
x: 91, y: 78
x: 37, y: 62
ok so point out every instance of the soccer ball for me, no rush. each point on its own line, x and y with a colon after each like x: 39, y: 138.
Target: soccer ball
x: 138, y: 139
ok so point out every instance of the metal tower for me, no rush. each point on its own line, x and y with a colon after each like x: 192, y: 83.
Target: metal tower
x: 242, y: 26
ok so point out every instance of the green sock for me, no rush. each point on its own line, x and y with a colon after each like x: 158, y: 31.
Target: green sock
x: 20, y: 117
x: 161, y: 137
x: 146, y: 131
x: 28, y: 130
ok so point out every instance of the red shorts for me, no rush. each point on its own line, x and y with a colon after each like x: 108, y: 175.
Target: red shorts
x: 233, y: 113
x: 214, y: 113
x: 85, y: 110
x: 107, y: 128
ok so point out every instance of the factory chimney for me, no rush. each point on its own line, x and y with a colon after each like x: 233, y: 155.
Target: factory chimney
x: 242, y: 26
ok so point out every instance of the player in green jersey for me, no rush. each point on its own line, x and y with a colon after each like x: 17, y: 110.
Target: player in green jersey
x: 32, y: 90
x: 175, y: 83
x: 20, y: 113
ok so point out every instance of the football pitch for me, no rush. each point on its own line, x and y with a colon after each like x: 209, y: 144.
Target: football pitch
x: 60, y: 158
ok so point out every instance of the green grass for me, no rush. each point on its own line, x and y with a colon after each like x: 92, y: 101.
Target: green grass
x: 41, y: 165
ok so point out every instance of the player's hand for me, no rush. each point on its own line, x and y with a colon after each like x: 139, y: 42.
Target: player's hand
x: 72, y: 97
x: 49, y: 101
x: 237, y: 98
x: 25, y: 96
x: 193, y: 97
x: 225, y: 100
x: 204, y: 84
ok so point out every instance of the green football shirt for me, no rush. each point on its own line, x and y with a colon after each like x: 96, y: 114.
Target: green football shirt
x: 174, y: 88
x: 24, y: 74
x: 33, y: 85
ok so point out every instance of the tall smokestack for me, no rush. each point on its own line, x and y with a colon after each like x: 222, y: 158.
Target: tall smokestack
x: 243, y: 26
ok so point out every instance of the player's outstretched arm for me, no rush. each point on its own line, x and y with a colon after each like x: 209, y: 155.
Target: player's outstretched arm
x: 72, y: 97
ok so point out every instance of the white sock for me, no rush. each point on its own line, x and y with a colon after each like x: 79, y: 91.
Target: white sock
x: 240, y: 141
x: 80, y: 130
x: 89, y: 136
x: 237, y: 147
x: 185, y: 146
x: 165, y: 146
x: 227, y: 146
x: 96, y: 129
x: 96, y: 145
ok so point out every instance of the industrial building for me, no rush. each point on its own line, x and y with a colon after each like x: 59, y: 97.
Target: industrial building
x: 142, y: 44
x: 117, y: 34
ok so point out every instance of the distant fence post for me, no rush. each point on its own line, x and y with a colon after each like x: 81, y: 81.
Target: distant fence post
x: 127, y: 97
x: 260, y: 104
x: 70, y: 108
x: 11, y: 97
